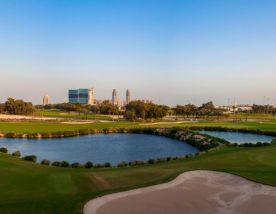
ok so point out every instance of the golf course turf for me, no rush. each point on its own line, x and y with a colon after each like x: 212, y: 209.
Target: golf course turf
x: 32, y: 188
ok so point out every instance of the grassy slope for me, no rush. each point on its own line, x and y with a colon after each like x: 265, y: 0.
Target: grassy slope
x: 30, y: 188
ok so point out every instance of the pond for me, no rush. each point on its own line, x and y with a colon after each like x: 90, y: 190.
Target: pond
x: 239, y: 137
x: 100, y: 148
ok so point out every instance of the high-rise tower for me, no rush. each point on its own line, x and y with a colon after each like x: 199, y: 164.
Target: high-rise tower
x: 46, y: 100
x: 91, y: 96
x: 127, y: 96
x: 114, y: 97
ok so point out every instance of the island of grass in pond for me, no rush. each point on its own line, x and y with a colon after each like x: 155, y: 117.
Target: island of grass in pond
x: 100, y: 148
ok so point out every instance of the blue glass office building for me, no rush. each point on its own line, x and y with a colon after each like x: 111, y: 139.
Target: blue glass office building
x: 80, y: 96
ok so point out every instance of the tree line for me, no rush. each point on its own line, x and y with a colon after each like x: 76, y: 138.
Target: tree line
x: 141, y: 110
x: 190, y: 110
x: 13, y: 106
x: 263, y: 109
x: 135, y: 110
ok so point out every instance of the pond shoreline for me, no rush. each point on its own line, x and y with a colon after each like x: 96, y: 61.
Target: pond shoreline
x: 202, y: 142
x: 81, y: 132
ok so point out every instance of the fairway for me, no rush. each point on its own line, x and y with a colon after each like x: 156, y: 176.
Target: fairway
x: 44, y: 127
x: 70, y: 115
x: 32, y: 188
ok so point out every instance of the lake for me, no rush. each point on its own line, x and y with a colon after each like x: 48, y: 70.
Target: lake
x: 239, y: 137
x: 100, y: 148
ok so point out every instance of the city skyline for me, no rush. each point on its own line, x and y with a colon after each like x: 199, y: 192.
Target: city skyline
x: 175, y: 52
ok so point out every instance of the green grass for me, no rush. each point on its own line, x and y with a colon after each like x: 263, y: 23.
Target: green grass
x: 257, y: 117
x: 42, y: 127
x: 31, y: 188
x: 70, y: 115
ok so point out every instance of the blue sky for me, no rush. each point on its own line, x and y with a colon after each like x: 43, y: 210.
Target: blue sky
x: 166, y: 50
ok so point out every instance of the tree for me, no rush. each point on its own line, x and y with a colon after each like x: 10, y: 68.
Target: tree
x: 13, y: 106
x: 141, y: 110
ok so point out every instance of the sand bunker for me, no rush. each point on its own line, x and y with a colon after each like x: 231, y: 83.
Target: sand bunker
x: 77, y: 122
x: 190, y: 193
x: 165, y: 123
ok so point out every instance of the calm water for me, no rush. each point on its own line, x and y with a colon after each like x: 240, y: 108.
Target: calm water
x: 100, y: 148
x: 239, y: 137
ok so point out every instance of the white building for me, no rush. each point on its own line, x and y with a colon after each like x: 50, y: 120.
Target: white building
x: 46, y: 99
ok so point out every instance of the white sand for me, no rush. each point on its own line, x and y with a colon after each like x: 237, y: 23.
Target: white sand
x: 77, y: 122
x: 23, y: 117
x: 191, y: 192
x: 165, y: 123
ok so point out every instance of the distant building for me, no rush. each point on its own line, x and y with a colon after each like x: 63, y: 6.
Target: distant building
x: 46, y: 100
x: 81, y: 96
x: 127, y: 96
x: 114, y: 97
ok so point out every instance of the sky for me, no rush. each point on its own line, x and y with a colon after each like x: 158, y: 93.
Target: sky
x: 170, y: 51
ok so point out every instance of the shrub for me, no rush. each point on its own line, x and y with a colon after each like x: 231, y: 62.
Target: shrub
x: 32, y: 135
x: 175, y: 158
x: 107, y: 165
x: 31, y: 158
x: 45, y: 162
x: 122, y: 164
x: 16, y: 154
x: 64, y: 164
x: 98, y: 165
x: 10, y: 135
x: 151, y: 161
x: 136, y: 163
x: 4, y: 150
x: 76, y: 165
x: 84, y: 132
x: 168, y: 159
x: 273, y: 141
x: 45, y: 135
x: 160, y: 160
x: 88, y: 165
x: 56, y: 163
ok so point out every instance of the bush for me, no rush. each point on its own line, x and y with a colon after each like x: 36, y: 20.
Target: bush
x: 10, y: 135
x: 56, y: 163
x: 45, y: 162
x: 98, y: 165
x: 168, y: 159
x: 31, y: 158
x: 122, y: 164
x: 107, y: 165
x: 64, y: 164
x: 189, y: 156
x: 45, y: 135
x: 32, y: 135
x: 76, y: 165
x: 151, y: 161
x: 16, y: 154
x: 4, y: 150
x: 88, y: 165
x: 160, y: 160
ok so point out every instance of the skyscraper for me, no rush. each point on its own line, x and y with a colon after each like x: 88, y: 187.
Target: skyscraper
x: 127, y: 96
x: 114, y: 97
x: 46, y: 99
x: 91, y: 96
